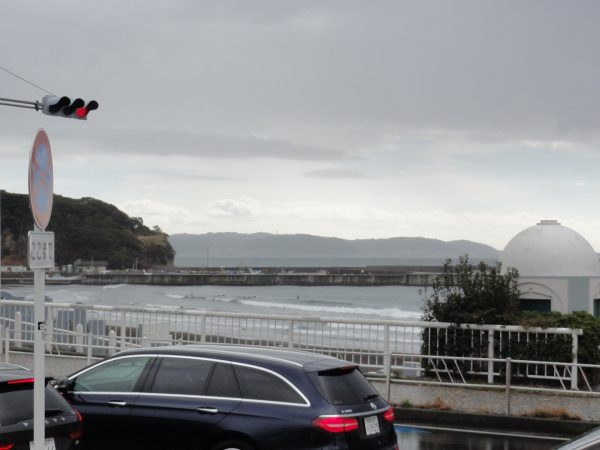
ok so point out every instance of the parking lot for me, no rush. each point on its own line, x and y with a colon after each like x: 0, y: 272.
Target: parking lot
x: 413, y: 437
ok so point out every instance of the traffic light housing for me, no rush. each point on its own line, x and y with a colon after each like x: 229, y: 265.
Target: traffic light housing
x: 63, y: 107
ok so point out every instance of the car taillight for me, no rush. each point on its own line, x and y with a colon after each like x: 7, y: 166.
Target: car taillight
x: 389, y: 414
x: 6, y: 446
x: 22, y: 381
x: 74, y: 435
x: 336, y: 424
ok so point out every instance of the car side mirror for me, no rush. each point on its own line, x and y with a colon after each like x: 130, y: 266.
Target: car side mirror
x: 62, y: 386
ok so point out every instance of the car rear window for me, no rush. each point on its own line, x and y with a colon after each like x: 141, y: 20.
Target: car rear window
x: 264, y: 386
x: 16, y: 405
x: 344, y: 386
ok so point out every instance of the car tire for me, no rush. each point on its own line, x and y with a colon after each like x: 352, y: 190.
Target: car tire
x: 233, y: 445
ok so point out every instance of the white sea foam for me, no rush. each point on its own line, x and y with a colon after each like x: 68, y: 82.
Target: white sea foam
x: 222, y: 299
x: 114, y: 286
x: 359, y: 311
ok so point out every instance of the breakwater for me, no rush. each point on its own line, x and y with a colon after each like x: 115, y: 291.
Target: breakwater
x: 261, y: 279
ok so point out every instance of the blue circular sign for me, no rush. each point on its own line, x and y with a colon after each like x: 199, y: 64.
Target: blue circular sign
x: 41, y: 180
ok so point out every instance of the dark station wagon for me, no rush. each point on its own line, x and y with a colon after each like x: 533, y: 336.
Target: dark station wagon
x: 228, y: 397
x: 63, y: 423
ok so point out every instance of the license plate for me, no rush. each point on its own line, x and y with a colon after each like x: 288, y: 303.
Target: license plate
x: 48, y: 444
x: 371, y: 425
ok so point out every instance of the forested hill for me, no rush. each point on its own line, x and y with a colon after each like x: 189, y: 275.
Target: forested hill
x: 84, y: 229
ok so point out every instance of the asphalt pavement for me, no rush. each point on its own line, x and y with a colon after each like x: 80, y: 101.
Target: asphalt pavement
x: 419, y: 437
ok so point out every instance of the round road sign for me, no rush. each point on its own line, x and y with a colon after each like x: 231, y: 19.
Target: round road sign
x: 41, y: 180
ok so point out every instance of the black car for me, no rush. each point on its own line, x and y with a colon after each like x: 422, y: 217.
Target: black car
x: 212, y: 397
x: 587, y: 441
x: 63, y: 423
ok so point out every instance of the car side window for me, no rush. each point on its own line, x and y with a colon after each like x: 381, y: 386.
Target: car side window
x: 223, y: 383
x: 183, y: 376
x: 118, y: 375
x: 260, y: 385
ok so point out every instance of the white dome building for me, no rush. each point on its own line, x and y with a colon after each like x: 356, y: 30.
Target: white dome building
x: 558, y: 269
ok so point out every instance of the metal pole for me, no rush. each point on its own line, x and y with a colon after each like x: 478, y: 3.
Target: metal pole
x: 574, y: 368
x: 490, y: 357
x: 20, y: 103
x: 0, y: 245
x: 39, y: 370
x: 508, y: 382
x: 291, y: 334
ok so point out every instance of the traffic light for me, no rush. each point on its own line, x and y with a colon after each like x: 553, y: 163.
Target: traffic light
x: 63, y: 107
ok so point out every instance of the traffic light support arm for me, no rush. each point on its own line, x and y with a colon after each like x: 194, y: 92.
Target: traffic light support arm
x: 20, y: 103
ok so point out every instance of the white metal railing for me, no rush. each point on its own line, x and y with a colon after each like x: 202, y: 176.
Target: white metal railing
x: 391, y: 348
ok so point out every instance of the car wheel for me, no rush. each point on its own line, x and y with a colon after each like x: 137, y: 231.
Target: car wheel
x: 233, y: 445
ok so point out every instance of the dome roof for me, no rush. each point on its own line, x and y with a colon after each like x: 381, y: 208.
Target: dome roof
x: 549, y: 249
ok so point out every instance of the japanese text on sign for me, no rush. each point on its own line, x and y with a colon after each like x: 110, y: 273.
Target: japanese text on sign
x: 41, y: 250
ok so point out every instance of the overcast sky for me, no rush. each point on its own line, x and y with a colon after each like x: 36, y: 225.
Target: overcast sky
x: 355, y: 119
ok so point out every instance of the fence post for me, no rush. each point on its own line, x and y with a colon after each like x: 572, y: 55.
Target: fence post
x: 508, y: 382
x: 1, y: 340
x: 79, y: 338
x: 387, y: 357
x: 203, y: 329
x: 112, y: 342
x: 291, y: 334
x: 387, y: 361
x: 388, y: 380
x: 49, y: 329
x: 18, y: 333
x: 490, y: 356
x: 6, y: 345
x: 574, y: 368
x: 89, y: 348
x: 123, y: 331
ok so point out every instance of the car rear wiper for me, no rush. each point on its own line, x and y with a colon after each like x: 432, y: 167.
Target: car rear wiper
x: 371, y: 397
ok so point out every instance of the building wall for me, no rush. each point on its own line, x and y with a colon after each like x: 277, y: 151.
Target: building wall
x: 567, y: 294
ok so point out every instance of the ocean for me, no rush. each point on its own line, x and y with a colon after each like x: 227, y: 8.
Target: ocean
x: 381, y: 302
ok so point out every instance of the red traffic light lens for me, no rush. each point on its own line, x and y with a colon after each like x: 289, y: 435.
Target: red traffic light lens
x: 81, y: 112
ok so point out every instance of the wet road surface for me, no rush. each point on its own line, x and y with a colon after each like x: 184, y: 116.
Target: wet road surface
x: 416, y: 437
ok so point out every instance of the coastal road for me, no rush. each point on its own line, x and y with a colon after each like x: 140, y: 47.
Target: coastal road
x: 418, y: 437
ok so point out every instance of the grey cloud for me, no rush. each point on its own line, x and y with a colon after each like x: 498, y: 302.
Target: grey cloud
x: 478, y: 66
x: 182, y: 143
x: 240, y: 208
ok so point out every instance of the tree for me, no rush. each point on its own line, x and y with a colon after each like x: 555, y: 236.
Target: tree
x: 479, y: 295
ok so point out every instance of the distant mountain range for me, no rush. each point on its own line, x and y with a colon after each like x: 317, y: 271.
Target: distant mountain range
x: 201, y: 247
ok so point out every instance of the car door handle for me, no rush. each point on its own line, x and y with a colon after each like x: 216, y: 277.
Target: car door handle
x: 114, y: 403
x: 207, y: 410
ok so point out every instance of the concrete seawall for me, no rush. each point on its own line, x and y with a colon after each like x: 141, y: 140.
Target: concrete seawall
x: 279, y: 279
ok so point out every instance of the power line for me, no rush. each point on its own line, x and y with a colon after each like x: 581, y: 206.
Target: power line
x: 23, y: 79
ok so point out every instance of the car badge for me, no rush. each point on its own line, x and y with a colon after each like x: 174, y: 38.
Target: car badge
x: 373, y: 405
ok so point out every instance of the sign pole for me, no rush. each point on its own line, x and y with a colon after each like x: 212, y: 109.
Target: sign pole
x: 39, y: 363
x: 40, y: 257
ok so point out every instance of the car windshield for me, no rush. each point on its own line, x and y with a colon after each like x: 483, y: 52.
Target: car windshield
x: 344, y: 386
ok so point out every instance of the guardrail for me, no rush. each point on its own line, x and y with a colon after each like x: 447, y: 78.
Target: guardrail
x: 392, y: 349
